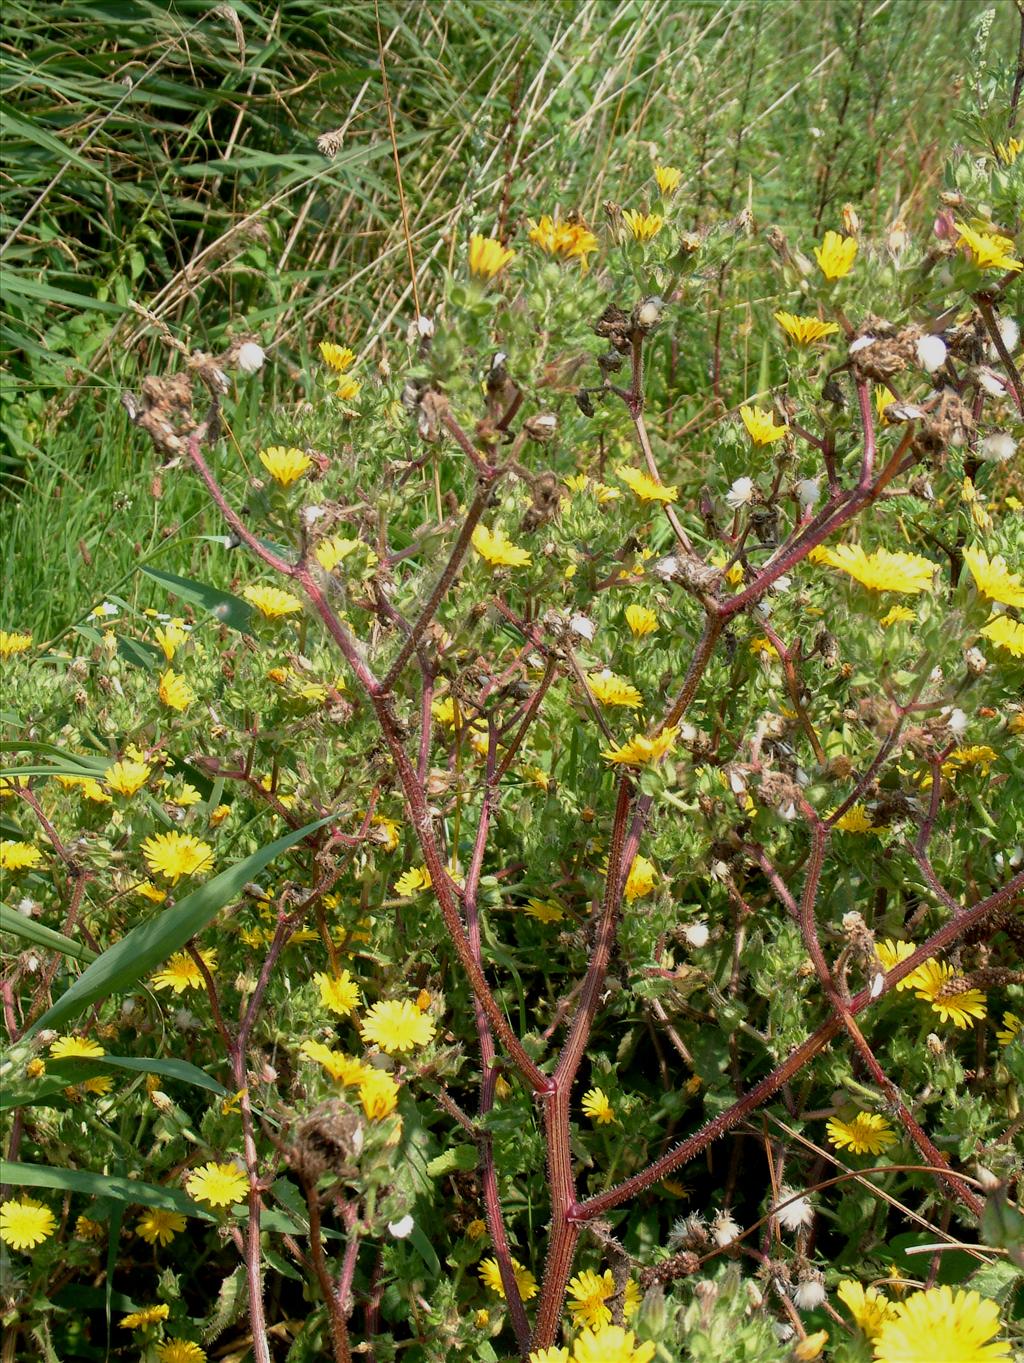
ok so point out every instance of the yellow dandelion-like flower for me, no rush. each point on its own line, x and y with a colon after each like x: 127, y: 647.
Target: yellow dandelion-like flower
x: 612, y: 690
x: 330, y: 552
x: 159, y: 1227
x: 149, y: 891
x: 1007, y: 152
x: 611, y: 1344
x: 868, y: 1133
x: 993, y: 578
x: 855, y: 820
x: 19, y: 856
x: 173, y: 855
x: 835, y: 255
x: 644, y: 487
x: 487, y: 257
x: 868, y: 1307
x: 990, y: 250
x: 180, y: 1351
x: 337, y: 357
x: 343, y: 1069
x: 338, y: 993
x: 25, y: 1223
x: 127, y: 778
x: 884, y: 398
x: 286, y: 465
x: 12, y: 643
x: 643, y: 226
x: 882, y: 570
x: 544, y: 910
x: 897, y: 615
x: 347, y: 390
x: 180, y: 971
x: 397, y: 1025
x: 641, y: 621
x: 977, y: 755
x: 553, y: 1354
x: 495, y: 548
x: 945, y: 989
x: 76, y: 1048
x: 87, y: 1229
x: 1010, y: 1028
x: 218, y: 1185
x: 640, y: 751
x: 810, y: 1347
x: 589, y: 1294
x: 597, y: 1106
x: 942, y: 1323
x: 761, y: 425
x: 490, y: 1276
x: 271, y: 602
x: 569, y: 240
x: 804, y: 330
x: 413, y: 881
x: 642, y: 878
x: 378, y: 1094
x: 891, y: 953
x: 99, y: 1084
x: 175, y: 691
x: 1006, y: 633
x: 170, y: 638
x: 149, y: 1315
x: 669, y: 179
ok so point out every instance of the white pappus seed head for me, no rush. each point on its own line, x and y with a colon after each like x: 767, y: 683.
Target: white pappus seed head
x: 931, y: 353
x: 250, y: 358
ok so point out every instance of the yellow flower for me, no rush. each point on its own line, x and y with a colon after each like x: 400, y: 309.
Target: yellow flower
x: 993, y: 578
x: 181, y: 972
x: 331, y: 552
x: 881, y: 570
x: 495, y: 548
x: 868, y: 1307
x: 884, y: 398
x: 991, y: 250
x: 87, y: 1229
x: 544, y: 910
x: 184, y: 798
x: 149, y: 891
x: 639, y: 750
x: 490, y: 1276
x: 943, y: 987
x: 180, y: 1351
x: 477, y: 1229
x: 611, y: 1344
x: 414, y: 880
x: 810, y: 1347
x: 18, y: 856
x: 641, y: 880
x: 338, y: 994
x: 347, y: 389
x: 338, y: 357
x: 855, y: 820
x: 218, y: 1185
x: 127, y: 778
x: 668, y: 178
x: 643, y: 226
x: 570, y: 240
x: 641, y: 621
x: 553, y: 1354
x: 1007, y: 152
x: 612, y: 690
x: 891, y: 953
x: 149, y: 1315
x: 836, y: 255
x: 378, y: 1094
x: 969, y: 495
x: 174, y: 855
x: 940, y: 1323
x: 644, y: 487
x: 99, y: 1084
x: 343, y: 1069
x: 897, y: 615
x: 397, y: 1025
x: 25, y: 1223
x: 804, y: 330
x: 589, y: 1293
x: 159, y: 1227
x: 487, y: 257
x: 286, y: 465
x: 1006, y: 633
x: 597, y: 1107
x: 761, y: 425
x: 12, y: 643
x: 978, y: 755
x: 75, y: 1048
x: 170, y: 637
x: 175, y: 691
x: 388, y: 835
x: 868, y: 1133
x: 1011, y: 1026
x: 271, y: 602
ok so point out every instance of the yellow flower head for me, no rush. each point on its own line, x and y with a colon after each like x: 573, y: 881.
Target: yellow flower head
x: 641, y: 621
x: 1010, y: 1029
x: 544, y: 910
x: 611, y: 1344
x: 180, y: 1351
x: 612, y: 690
x: 338, y: 357
x: 159, y: 1227
x: 1006, y: 633
x: 881, y: 570
x: 170, y: 638
x: 941, y: 1322
x: 397, y: 1025
x: 175, y: 691
x: 761, y: 425
x: 884, y: 398
x: 414, y: 880
x: 804, y: 330
x: 947, y: 992
x: 836, y: 255
x: 347, y: 390
x: 343, y: 1069
x: 977, y: 755
x: 668, y: 178
x: 644, y: 487
x: 589, y: 1294
x: 570, y: 240
x: 640, y: 751
x: 338, y: 993
x: 555, y: 1353
x: 993, y: 578
x: 25, y: 1223
x: 868, y: 1307
x: 331, y: 552
x: 1007, y: 152
x: 868, y: 1133
x: 127, y: 778
x: 75, y: 1048
x: 496, y: 549
x: 990, y: 250
x: 487, y: 257
x: 218, y: 1185
x: 855, y: 820
x: 897, y: 615
x: 490, y: 1276
x: 891, y: 953
x: 378, y: 1094
x: 810, y: 1347
x: 174, y: 855
x: 642, y: 878
x: 19, y: 856
x: 181, y: 972
x: 149, y: 1315
x: 285, y: 465
x: 271, y: 602
x: 643, y: 226
x: 597, y: 1107
x: 12, y: 643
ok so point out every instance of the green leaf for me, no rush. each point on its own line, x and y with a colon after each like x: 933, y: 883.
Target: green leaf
x: 425, y: 1250
x: 100, y: 1185
x: 227, y: 609
x: 136, y: 954
x: 462, y: 1157
x: 41, y: 936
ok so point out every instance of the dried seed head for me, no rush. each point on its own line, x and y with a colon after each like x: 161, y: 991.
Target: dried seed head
x: 327, y: 1141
